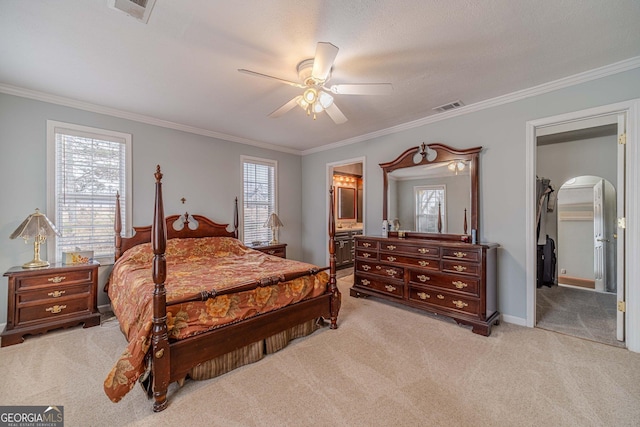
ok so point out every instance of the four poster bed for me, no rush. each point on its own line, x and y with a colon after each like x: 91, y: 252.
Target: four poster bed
x: 196, y: 302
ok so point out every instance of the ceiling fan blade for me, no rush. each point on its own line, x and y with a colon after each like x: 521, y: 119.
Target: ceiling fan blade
x: 286, y: 107
x: 336, y: 115
x: 323, y: 61
x: 362, y: 89
x: 253, y: 73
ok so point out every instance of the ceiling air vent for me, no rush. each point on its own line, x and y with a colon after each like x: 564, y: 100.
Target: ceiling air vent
x: 139, y: 9
x: 449, y: 106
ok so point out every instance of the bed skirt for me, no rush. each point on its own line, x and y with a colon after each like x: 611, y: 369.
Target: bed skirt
x: 252, y: 352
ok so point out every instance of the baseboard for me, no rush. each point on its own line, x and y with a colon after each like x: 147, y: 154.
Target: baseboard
x: 513, y: 319
x: 577, y: 281
x: 104, y: 308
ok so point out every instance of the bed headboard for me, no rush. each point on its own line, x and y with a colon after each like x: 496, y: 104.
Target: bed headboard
x: 205, y: 228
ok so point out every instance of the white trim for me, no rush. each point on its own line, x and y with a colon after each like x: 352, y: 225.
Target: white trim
x: 632, y: 250
x: 514, y: 320
x: 141, y: 118
x: 607, y: 70
x: 125, y: 138
x: 329, y: 182
x: 261, y: 161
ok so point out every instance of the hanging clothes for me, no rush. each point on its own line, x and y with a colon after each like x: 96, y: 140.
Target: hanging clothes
x: 543, y: 195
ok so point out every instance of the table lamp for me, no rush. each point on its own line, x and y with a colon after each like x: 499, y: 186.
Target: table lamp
x: 274, y: 223
x: 38, y: 226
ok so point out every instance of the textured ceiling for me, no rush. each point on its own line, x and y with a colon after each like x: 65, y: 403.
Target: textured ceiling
x: 181, y: 67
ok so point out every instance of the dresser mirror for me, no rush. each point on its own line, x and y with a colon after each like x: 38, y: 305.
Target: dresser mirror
x: 431, y: 191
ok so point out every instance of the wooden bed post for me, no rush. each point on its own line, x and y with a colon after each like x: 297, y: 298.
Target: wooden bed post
x: 160, y: 337
x: 235, y: 219
x: 333, y: 287
x: 117, y: 227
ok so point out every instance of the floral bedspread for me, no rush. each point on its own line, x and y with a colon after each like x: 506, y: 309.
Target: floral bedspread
x: 193, y: 265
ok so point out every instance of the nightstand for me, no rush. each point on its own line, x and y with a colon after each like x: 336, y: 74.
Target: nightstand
x: 43, y: 299
x: 276, y: 249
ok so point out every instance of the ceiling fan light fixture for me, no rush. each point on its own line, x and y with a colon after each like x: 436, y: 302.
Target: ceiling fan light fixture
x: 310, y: 95
x: 317, y: 107
x: 325, y: 99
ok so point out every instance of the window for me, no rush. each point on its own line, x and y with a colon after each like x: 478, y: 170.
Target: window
x: 430, y: 205
x: 86, y: 167
x: 259, y: 197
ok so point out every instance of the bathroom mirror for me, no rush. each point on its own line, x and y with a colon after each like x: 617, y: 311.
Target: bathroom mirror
x: 432, y: 191
x: 346, y: 203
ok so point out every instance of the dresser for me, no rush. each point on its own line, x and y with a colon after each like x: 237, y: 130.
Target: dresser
x: 43, y: 299
x: 453, y: 279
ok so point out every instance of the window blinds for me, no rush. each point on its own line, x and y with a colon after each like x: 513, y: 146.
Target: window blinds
x: 89, y: 170
x: 259, y: 181
x: 429, y: 199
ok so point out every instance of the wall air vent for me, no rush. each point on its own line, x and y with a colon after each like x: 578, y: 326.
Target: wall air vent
x: 139, y: 9
x: 450, y: 106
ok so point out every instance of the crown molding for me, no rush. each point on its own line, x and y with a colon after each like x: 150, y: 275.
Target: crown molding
x: 607, y: 70
x: 94, y: 108
x: 597, y: 73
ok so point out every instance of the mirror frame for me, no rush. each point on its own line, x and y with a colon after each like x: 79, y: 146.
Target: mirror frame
x: 444, y: 153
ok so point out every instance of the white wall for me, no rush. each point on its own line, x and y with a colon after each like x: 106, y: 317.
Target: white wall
x: 205, y: 171
x: 501, y: 130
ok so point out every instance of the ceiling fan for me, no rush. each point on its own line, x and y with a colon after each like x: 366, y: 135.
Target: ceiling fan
x: 314, y: 74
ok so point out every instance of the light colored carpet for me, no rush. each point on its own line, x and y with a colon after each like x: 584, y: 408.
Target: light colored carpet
x: 385, y: 365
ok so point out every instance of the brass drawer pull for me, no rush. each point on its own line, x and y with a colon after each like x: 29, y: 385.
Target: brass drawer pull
x: 460, y: 304
x: 271, y: 252
x: 56, y: 294
x: 391, y: 272
x: 423, y: 263
x: 423, y: 278
x: 424, y: 250
x: 460, y: 254
x: 458, y: 284
x: 422, y: 295
x: 366, y: 244
x: 459, y: 268
x: 390, y: 288
x: 56, y: 309
x: 391, y: 247
x: 440, y: 296
x: 56, y: 279
x: 366, y: 267
x: 365, y: 282
x: 391, y: 258
x: 378, y: 267
x: 366, y: 254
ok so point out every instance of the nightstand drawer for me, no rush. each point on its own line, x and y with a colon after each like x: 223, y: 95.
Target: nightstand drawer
x: 52, y: 309
x: 53, y: 293
x: 276, y: 249
x: 275, y: 252
x: 53, y: 278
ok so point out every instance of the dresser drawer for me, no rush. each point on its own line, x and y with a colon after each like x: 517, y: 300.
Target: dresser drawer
x: 464, y: 284
x: 52, y: 309
x: 366, y: 244
x: 461, y: 267
x: 461, y: 254
x: 366, y: 254
x: 426, y: 263
x: 53, y: 293
x: 380, y: 269
x: 422, y: 250
x: 444, y: 300
x: 387, y: 287
x: 54, y: 279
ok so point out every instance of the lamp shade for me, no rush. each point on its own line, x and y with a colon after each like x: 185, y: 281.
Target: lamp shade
x: 38, y: 227
x: 274, y: 223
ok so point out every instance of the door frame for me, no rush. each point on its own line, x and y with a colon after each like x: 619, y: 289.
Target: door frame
x: 329, y: 183
x: 632, y: 180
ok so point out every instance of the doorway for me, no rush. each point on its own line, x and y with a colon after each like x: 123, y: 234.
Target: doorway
x: 628, y: 272
x: 347, y: 177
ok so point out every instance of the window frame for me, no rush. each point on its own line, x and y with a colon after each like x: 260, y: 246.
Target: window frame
x: 260, y: 161
x: 52, y: 169
x: 443, y: 211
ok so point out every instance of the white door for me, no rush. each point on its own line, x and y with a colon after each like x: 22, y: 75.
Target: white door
x: 620, y: 234
x: 599, y: 238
